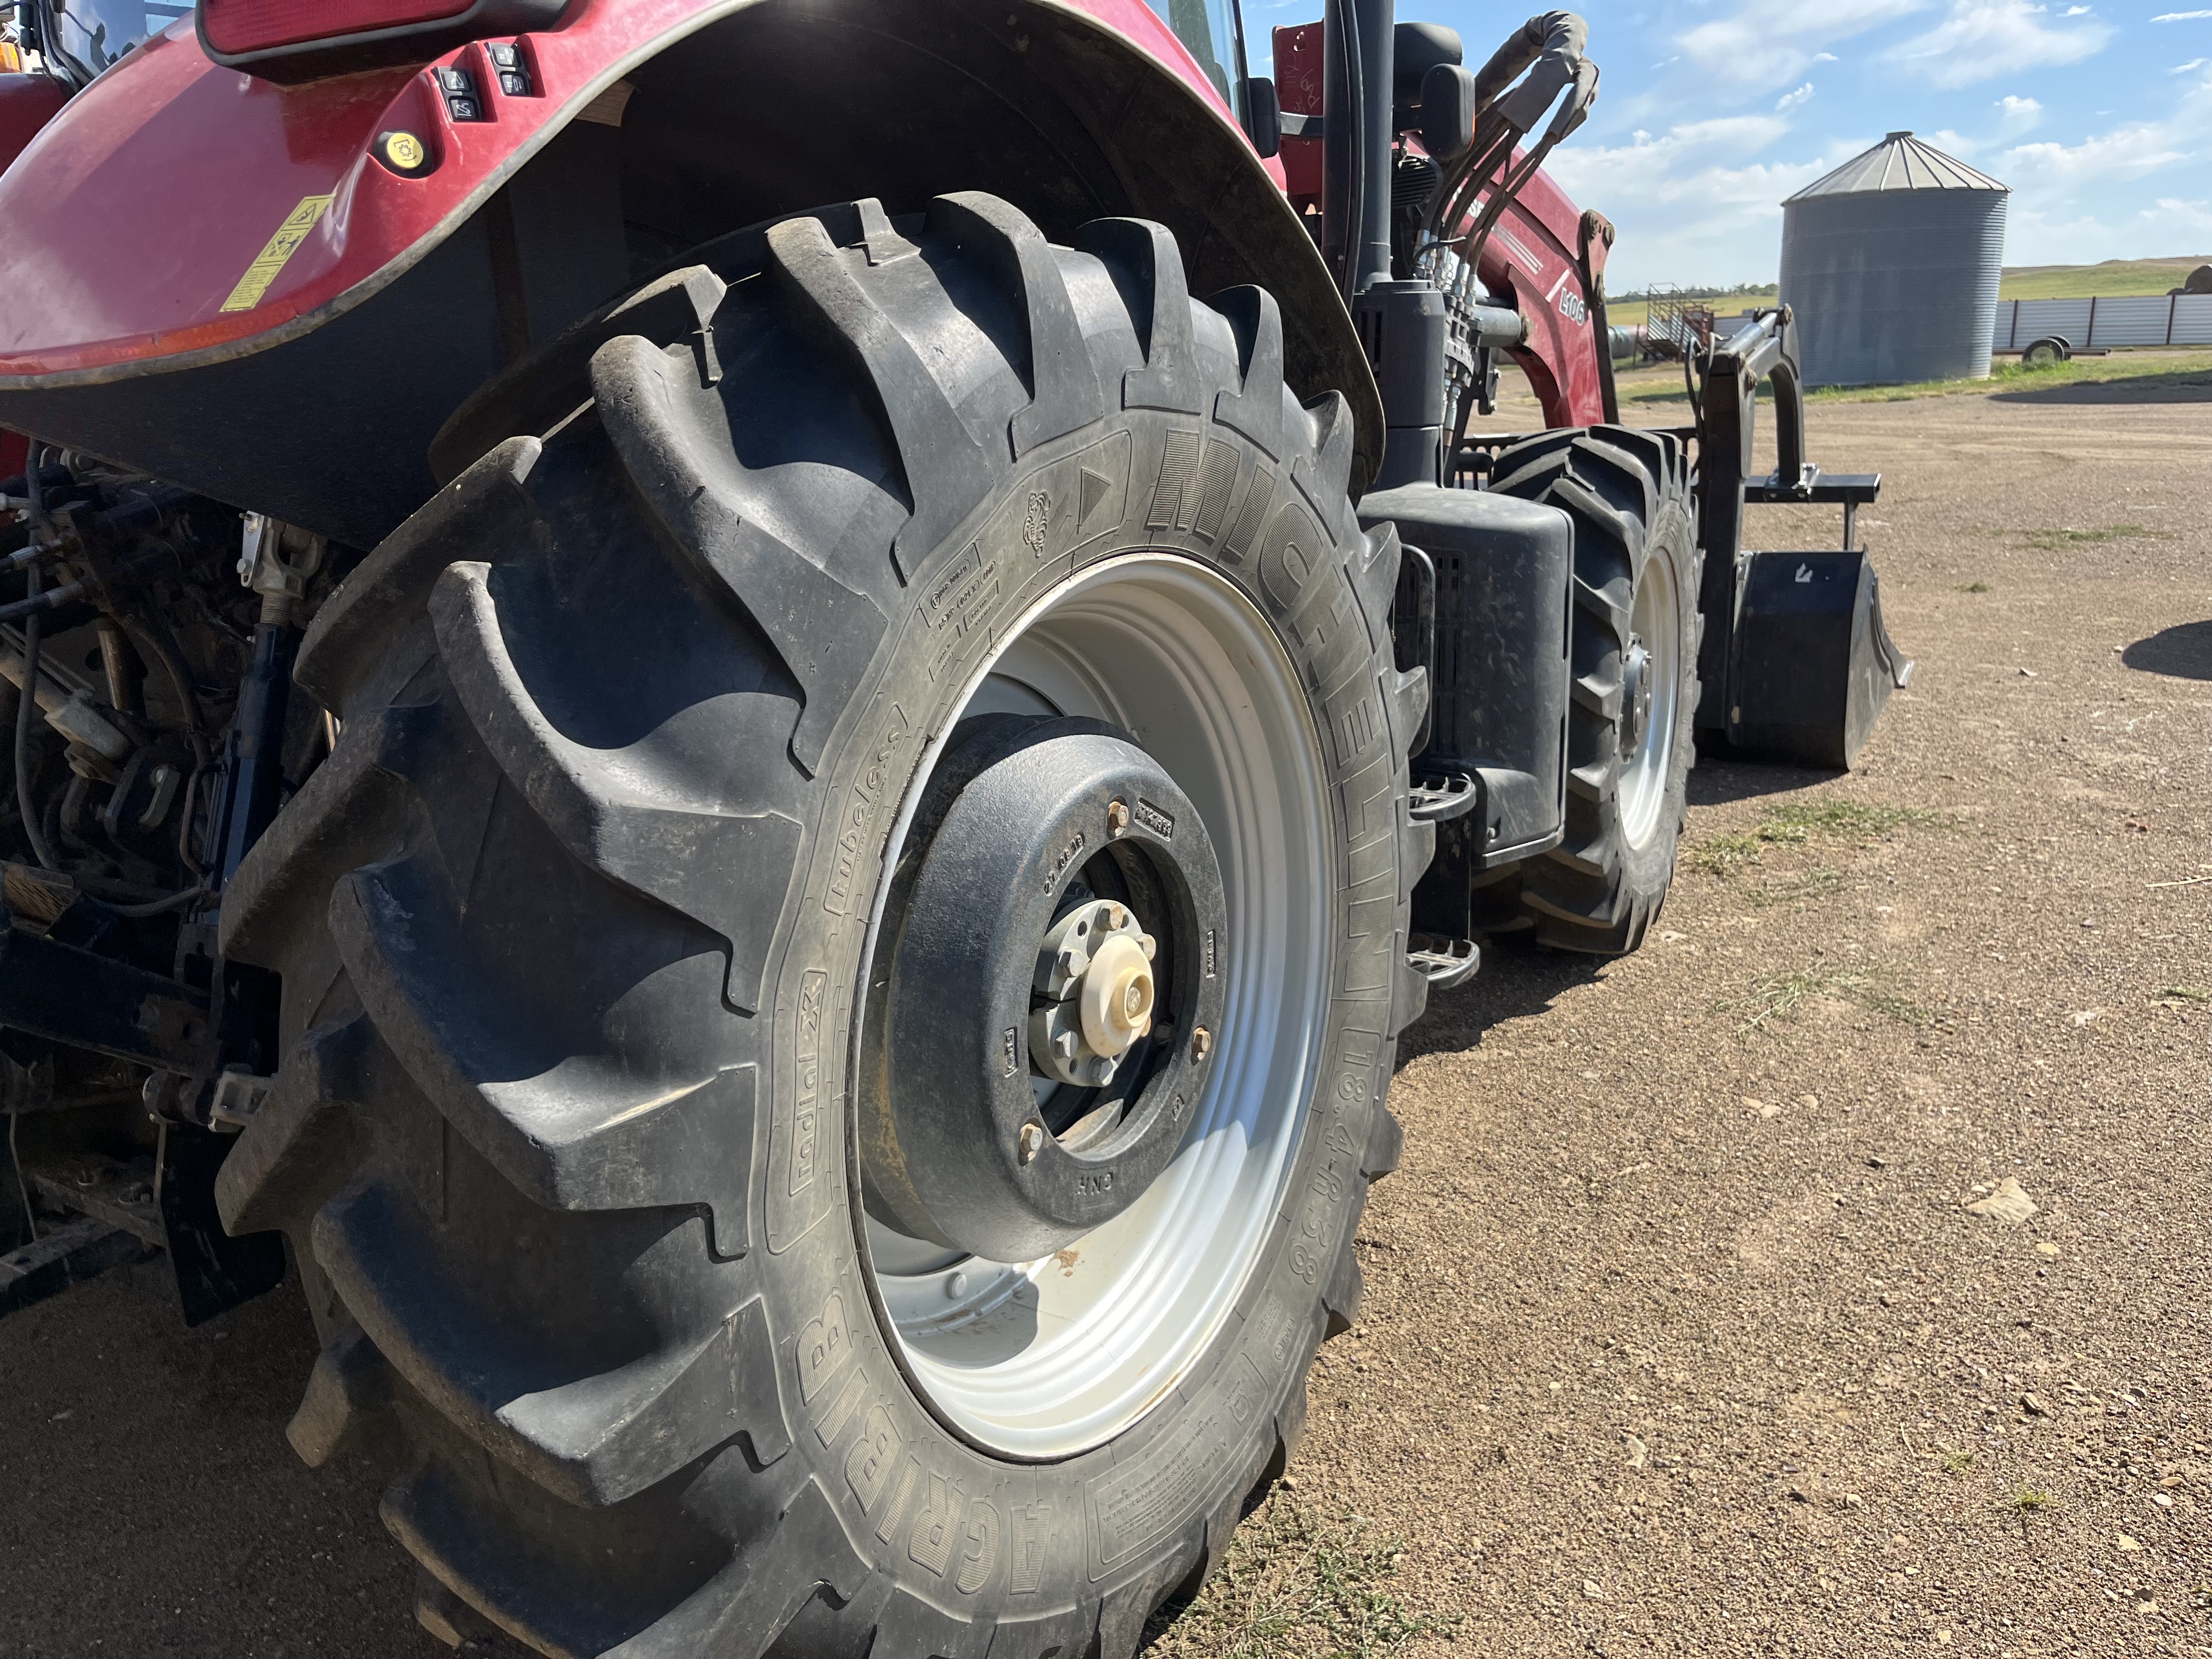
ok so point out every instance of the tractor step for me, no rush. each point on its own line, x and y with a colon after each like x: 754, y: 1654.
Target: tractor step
x: 1438, y: 798
x: 1443, y: 962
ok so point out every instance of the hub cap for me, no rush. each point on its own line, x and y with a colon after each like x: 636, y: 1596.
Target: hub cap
x: 1651, y: 674
x: 1027, y: 1095
x: 1041, y: 1355
x: 1636, y: 694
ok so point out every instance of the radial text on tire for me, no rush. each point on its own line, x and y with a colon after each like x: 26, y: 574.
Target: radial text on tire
x: 602, y: 1140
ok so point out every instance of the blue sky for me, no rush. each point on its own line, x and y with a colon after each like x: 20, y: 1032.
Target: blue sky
x: 2099, y: 116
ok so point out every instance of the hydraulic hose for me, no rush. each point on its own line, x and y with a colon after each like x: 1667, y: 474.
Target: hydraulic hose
x: 27, y: 701
x: 1549, y: 49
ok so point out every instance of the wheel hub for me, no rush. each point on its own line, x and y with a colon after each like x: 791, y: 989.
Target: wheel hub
x: 1055, y: 984
x: 1095, y: 970
x: 1636, y: 694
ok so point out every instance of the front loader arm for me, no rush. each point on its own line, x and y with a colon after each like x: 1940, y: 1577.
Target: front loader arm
x: 1549, y: 259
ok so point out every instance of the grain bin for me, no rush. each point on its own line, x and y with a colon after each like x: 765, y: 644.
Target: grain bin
x: 1890, y: 264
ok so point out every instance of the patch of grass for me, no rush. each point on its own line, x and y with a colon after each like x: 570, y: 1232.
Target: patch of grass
x: 1773, y: 997
x: 1662, y: 383
x: 2181, y: 368
x: 1956, y: 1461
x: 1972, y: 587
x: 2031, y: 1500
x: 1799, y: 822
x: 2186, y: 992
x: 1903, y: 1010
x: 1294, y: 1586
x: 1857, y: 820
x: 2054, y: 540
x: 1816, y: 883
x: 1725, y: 854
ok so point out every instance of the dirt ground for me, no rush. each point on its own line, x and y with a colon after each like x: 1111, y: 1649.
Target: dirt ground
x: 1679, y: 1336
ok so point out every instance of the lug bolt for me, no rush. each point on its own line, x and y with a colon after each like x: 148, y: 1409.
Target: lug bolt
x: 956, y: 1287
x: 1032, y: 1140
x: 1117, y: 817
x: 1201, y: 1044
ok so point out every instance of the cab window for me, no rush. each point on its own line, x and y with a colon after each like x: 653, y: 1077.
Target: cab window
x: 1208, y: 28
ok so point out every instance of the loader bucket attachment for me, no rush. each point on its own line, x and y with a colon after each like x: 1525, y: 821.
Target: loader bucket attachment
x: 1795, y: 662
x: 1813, y: 663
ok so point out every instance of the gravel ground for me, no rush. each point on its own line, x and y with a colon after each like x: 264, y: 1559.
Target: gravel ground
x: 1679, y: 1333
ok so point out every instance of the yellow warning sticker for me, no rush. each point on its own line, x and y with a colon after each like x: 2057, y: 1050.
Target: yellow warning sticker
x: 273, y: 258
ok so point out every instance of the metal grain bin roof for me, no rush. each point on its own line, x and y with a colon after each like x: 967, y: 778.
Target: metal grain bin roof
x: 1900, y: 162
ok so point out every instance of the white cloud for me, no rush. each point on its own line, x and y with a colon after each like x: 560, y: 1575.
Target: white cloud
x: 1692, y: 204
x: 2180, y: 16
x: 1984, y: 38
x: 2193, y: 63
x: 2035, y: 237
x: 2058, y: 172
x: 1789, y: 100
x: 2016, y: 115
x: 1768, y: 43
x: 2075, y: 11
x: 2127, y: 152
x: 2173, y: 214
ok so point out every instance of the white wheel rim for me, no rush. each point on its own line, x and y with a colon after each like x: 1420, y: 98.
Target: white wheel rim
x: 1044, y: 1359
x: 1655, y: 619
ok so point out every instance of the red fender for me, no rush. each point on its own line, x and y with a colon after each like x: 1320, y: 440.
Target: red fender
x: 180, y: 212
x: 27, y: 102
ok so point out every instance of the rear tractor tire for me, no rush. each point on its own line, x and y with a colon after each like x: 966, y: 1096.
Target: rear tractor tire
x: 840, y: 982
x: 1634, y: 628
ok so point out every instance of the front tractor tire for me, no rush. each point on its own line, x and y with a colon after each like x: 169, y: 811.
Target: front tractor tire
x: 840, y: 982
x: 1634, y: 629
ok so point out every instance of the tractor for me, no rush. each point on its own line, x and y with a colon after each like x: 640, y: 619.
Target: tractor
x: 750, y: 722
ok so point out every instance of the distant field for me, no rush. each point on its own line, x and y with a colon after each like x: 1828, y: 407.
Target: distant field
x: 1625, y: 313
x: 2185, y: 376
x: 2113, y: 277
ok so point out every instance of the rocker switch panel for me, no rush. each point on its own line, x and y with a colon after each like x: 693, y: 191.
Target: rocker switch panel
x: 514, y: 74
x: 460, y: 87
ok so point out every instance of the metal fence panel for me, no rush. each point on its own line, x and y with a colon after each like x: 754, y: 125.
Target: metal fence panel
x: 2135, y: 319
x: 2034, y: 318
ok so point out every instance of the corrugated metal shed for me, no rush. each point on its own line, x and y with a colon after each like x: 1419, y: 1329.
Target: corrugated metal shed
x: 1891, y: 265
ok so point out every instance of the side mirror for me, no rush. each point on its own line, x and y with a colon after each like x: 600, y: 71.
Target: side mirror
x: 1447, y: 110
x: 1263, y: 115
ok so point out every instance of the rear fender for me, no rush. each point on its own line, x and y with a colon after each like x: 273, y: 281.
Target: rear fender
x: 27, y: 102
x: 264, y: 311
